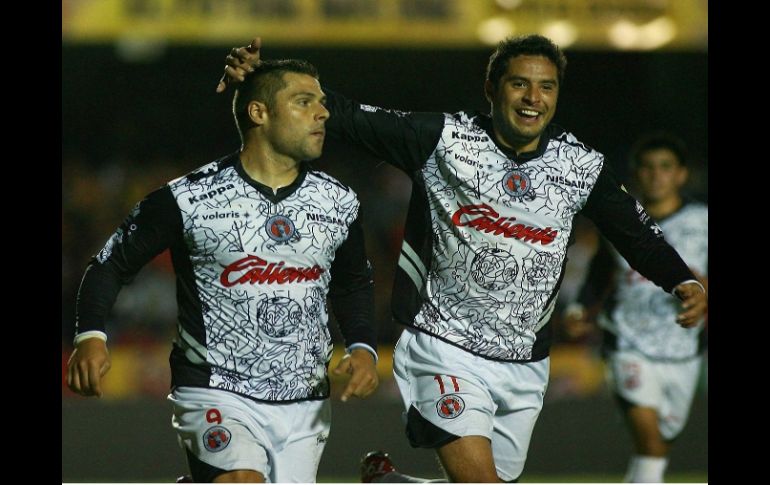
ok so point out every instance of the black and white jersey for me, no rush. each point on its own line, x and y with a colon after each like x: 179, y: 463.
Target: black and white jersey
x: 487, y: 231
x: 253, y: 270
x: 639, y: 316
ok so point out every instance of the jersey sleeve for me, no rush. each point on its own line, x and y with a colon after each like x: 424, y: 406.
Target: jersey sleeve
x: 624, y: 222
x: 351, y: 290
x: 599, y: 278
x: 151, y: 227
x: 403, y: 139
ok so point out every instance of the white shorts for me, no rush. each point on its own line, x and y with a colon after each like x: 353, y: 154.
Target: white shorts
x: 284, y: 442
x: 466, y: 395
x: 668, y: 387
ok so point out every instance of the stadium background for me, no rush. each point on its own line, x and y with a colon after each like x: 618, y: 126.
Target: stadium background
x: 139, y: 108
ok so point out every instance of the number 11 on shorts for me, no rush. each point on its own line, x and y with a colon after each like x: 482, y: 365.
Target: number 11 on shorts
x: 440, y: 381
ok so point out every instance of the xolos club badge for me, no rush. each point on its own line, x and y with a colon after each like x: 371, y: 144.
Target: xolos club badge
x: 216, y: 438
x: 450, y: 406
x: 279, y: 228
x: 516, y: 183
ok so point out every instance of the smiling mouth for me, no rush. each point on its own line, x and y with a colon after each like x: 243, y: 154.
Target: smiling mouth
x: 528, y: 113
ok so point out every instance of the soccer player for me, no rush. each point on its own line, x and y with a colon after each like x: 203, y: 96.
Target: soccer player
x: 258, y: 240
x: 652, y: 366
x: 490, y: 217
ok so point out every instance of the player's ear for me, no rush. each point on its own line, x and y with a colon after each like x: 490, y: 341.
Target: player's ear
x: 682, y: 176
x: 257, y: 111
x: 489, y: 90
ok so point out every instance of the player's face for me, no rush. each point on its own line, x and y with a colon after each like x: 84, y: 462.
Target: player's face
x: 660, y: 175
x: 524, y: 101
x: 297, y: 118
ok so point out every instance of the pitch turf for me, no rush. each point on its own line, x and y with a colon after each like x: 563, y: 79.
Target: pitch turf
x: 693, y: 477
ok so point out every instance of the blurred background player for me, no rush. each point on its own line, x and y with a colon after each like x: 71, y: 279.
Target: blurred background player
x: 258, y: 240
x: 653, y: 366
x: 493, y: 202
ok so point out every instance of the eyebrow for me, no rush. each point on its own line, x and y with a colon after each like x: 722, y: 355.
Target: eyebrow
x: 309, y: 94
x: 514, y: 77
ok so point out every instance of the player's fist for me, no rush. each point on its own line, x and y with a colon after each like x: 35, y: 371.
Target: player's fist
x: 86, y: 367
x: 694, y: 303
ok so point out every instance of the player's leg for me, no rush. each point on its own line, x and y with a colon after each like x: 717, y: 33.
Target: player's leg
x: 639, y: 391
x: 217, y: 433
x: 518, y: 390
x: 298, y: 459
x: 469, y: 459
x: 448, y: 405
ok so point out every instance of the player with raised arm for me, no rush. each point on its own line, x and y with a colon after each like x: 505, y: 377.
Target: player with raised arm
x: 258, y: 241
x: 489, y: 222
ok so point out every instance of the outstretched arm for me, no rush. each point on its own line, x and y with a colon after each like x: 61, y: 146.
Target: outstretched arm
x: 636, y: 236
x: 404, y: 139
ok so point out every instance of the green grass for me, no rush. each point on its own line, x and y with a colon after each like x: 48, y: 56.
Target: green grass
x: 692, y: 477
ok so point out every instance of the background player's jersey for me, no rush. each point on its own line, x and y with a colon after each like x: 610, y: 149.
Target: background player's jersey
x: 487, y: 230
x: 643, y: 318
x: 253, y: 272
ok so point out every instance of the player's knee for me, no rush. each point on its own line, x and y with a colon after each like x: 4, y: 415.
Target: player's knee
x: 240, y: 476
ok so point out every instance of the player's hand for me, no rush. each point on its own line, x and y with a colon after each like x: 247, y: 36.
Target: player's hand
x: 694, y: 304
x: 240, y: 62
x: 576, y: 322
x: 363, y: 374
x: 86, y: 367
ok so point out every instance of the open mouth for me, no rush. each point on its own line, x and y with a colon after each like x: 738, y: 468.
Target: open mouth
x: 528, y: 114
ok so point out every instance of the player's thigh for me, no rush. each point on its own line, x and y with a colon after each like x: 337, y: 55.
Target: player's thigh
x: 443, y: 397
x: 680, y: 386
x: 521, y: 400
x: 298, y: 460
x: 468, y: 459
x: 634, y: 379
x: 217, y: 433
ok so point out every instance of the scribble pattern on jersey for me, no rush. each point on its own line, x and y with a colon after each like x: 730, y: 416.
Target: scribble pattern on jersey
x: 261, y: 271
x: 644, y: 318
x: 500, y: 237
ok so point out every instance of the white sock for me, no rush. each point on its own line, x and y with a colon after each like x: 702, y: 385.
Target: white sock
x: 646, y: 469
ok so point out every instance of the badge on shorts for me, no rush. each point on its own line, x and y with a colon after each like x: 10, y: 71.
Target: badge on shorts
x: 450, y: 406
x: 216, y: 438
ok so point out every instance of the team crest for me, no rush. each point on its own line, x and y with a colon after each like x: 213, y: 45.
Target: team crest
x: 516, y: 183
x: 280, y: 228
x: 216, y: 438
x: 450, y: 406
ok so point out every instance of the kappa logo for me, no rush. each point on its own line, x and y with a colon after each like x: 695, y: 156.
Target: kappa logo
x: 210, y: 194
x: 450, y: 406
x: 216, y: 438
x: 280, y: 228
x: 516, y: 183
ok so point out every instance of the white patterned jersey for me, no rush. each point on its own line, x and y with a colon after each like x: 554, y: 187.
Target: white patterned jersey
x: 254, y: 269
x: 487, y: 230
x: 643, y: 318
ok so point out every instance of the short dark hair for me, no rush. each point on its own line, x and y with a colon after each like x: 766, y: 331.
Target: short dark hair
x: 524, y: 45
x: 263, y: 84
x: 657, y: 140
